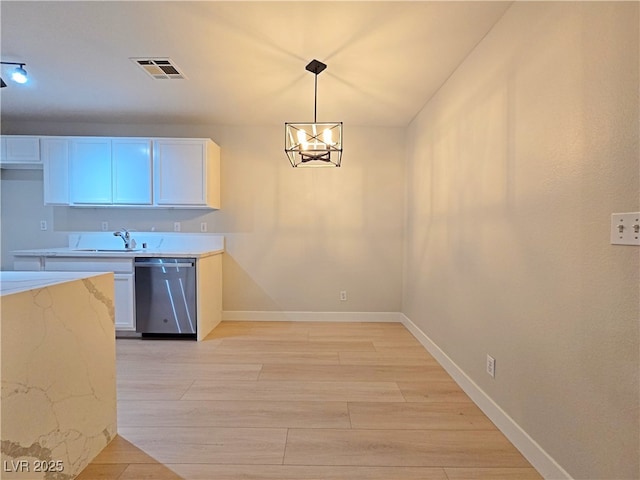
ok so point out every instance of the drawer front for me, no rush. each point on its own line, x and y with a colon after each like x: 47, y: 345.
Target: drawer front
x: 72, y: 264
x: 27, y: 263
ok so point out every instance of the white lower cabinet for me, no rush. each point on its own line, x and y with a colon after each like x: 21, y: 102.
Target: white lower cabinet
x: 124, y: 293
x: 28, y: 263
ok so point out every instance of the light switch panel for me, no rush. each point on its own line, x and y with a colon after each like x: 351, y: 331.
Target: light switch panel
x: 625, y: 228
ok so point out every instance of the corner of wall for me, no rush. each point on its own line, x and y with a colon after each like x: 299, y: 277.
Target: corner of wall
x: 532, y: 451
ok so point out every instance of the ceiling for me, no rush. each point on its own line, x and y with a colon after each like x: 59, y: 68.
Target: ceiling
x: 243, y: 61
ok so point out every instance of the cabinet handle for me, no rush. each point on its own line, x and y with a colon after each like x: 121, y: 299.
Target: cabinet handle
x: 164, y: 265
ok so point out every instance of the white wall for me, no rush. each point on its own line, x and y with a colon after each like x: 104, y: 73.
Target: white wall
x: 295, y: 237
x: 514, y: 168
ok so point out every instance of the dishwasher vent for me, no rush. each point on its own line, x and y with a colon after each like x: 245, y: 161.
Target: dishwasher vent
x: 160, y: 68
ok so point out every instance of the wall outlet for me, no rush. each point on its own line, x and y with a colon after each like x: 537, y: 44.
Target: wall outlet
x: 491, y: 366
x: 105, y: 226
x: 343, y: 295
x: 176, y: 226
x: 43, y: 225
x: 203, y: 227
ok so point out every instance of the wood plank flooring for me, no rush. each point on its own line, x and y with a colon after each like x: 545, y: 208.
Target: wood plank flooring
x: 298, y: 400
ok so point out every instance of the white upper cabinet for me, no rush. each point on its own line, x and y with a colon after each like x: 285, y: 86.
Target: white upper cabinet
x: 20, y: 151
x: 123, y: 171
x: 106, y: 171
x: 90, y: 171
x: 55, y: 163
x: 131, y: 171
x: 186, y: 172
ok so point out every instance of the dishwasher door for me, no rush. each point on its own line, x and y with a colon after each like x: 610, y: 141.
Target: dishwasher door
x: 165, y: 296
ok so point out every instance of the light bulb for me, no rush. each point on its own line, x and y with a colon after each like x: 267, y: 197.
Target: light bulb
x: 302, y: 139
x: 19, y: 75
x: 326, y: 136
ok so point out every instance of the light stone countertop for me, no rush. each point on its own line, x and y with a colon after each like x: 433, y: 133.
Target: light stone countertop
x: 138, y: 252
x: 106, y: 245
x: 15, y: 282
x: 59, y: 405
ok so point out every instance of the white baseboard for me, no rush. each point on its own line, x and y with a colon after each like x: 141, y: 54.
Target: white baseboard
x: 539, y: 458
x: 273, y: 316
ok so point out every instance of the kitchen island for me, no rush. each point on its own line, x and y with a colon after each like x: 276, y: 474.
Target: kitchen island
x: 57, y: 349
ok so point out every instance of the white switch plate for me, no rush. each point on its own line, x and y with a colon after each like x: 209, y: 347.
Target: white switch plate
x: 105, y: 226
x: 203, y: 227
x: 625, y: 228
x: 491, y: 366
x: 43, y: 225
x: 176, y: 226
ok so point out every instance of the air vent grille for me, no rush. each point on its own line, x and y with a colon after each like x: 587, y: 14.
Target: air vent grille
x: 159, y: 68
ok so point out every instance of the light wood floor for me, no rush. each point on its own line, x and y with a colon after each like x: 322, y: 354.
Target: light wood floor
x: 285, y: 400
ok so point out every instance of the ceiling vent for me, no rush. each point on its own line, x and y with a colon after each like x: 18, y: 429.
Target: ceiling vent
x: 159, y: 68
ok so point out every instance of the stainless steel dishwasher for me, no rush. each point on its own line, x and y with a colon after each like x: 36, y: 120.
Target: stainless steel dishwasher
x: 166, y: 297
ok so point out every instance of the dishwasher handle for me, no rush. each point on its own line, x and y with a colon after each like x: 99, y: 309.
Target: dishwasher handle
x: 165, y: 265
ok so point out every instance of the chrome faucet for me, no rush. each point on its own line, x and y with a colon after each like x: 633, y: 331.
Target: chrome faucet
x: 126, y: 238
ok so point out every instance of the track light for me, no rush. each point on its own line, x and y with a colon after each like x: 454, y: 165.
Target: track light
x: 19, y: 75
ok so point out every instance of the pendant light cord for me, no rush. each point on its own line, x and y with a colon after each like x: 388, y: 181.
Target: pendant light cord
x: 315, y: 99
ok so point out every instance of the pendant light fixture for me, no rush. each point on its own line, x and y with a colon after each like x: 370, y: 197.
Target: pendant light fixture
x: 19, y: 75
x: 317, y: 144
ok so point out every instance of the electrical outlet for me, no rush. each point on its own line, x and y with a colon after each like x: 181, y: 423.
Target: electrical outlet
x: 176, y: 226
x: 343, y: 295
x: 43, y: 225
x: 491, y: 366
x: 105, y: 226
x: 203, y: 227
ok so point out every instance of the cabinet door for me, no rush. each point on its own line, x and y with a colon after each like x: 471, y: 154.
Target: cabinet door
x: 124, y: 300
x: 123, y: 285
x: 20, y: 150
x: 131, y: 171
x: 55, y: 160
x: 90, y: 171
x: 180, y: 172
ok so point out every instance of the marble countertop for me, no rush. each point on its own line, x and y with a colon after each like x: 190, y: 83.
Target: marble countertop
x: 16, y: 282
